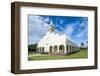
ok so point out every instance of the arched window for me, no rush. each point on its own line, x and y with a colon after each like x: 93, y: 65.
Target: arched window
x: 61, y: 48
x: 67, y: 48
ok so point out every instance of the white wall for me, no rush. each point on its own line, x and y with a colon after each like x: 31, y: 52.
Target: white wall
x: 5, y: 50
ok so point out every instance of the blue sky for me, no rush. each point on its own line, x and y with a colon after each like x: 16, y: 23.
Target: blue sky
x: 75, y: 28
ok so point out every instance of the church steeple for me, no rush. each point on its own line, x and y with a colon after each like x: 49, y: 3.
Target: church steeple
x: 51, y: 27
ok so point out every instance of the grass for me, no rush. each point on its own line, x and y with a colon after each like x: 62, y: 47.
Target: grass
x: 30, y: 53
x: 77, y: 55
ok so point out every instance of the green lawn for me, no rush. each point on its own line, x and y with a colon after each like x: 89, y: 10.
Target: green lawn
x: 77, y: 55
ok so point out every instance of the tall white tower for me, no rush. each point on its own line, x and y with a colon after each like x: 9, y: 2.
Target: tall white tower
x: 51, y: 28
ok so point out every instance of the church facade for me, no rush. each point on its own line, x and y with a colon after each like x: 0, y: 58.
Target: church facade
x: 53, y: 43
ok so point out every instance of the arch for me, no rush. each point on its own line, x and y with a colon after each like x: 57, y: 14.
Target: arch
x: 55, y: 49
x: 42, y: 49
x: 61, y: 48
x: 50, y: 49
x: 67, y: 48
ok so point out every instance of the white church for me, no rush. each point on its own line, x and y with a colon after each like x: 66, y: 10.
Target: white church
x: 53, y: 43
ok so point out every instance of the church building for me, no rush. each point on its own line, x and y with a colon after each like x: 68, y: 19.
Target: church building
x: 54, y: 43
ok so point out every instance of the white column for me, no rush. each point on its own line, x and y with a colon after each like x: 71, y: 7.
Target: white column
x: 39, y: 49
x: 58, y: 48
x: 47, y: 48
x: 67, y: 48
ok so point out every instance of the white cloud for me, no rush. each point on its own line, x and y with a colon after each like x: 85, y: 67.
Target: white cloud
x: 82, y: 33
x: 84, y: 23
x: 68, y: 30
x: 37, y: 28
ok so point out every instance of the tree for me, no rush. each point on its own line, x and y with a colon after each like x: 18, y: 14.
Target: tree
x: 82, y: 44
x: 32, y: 47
